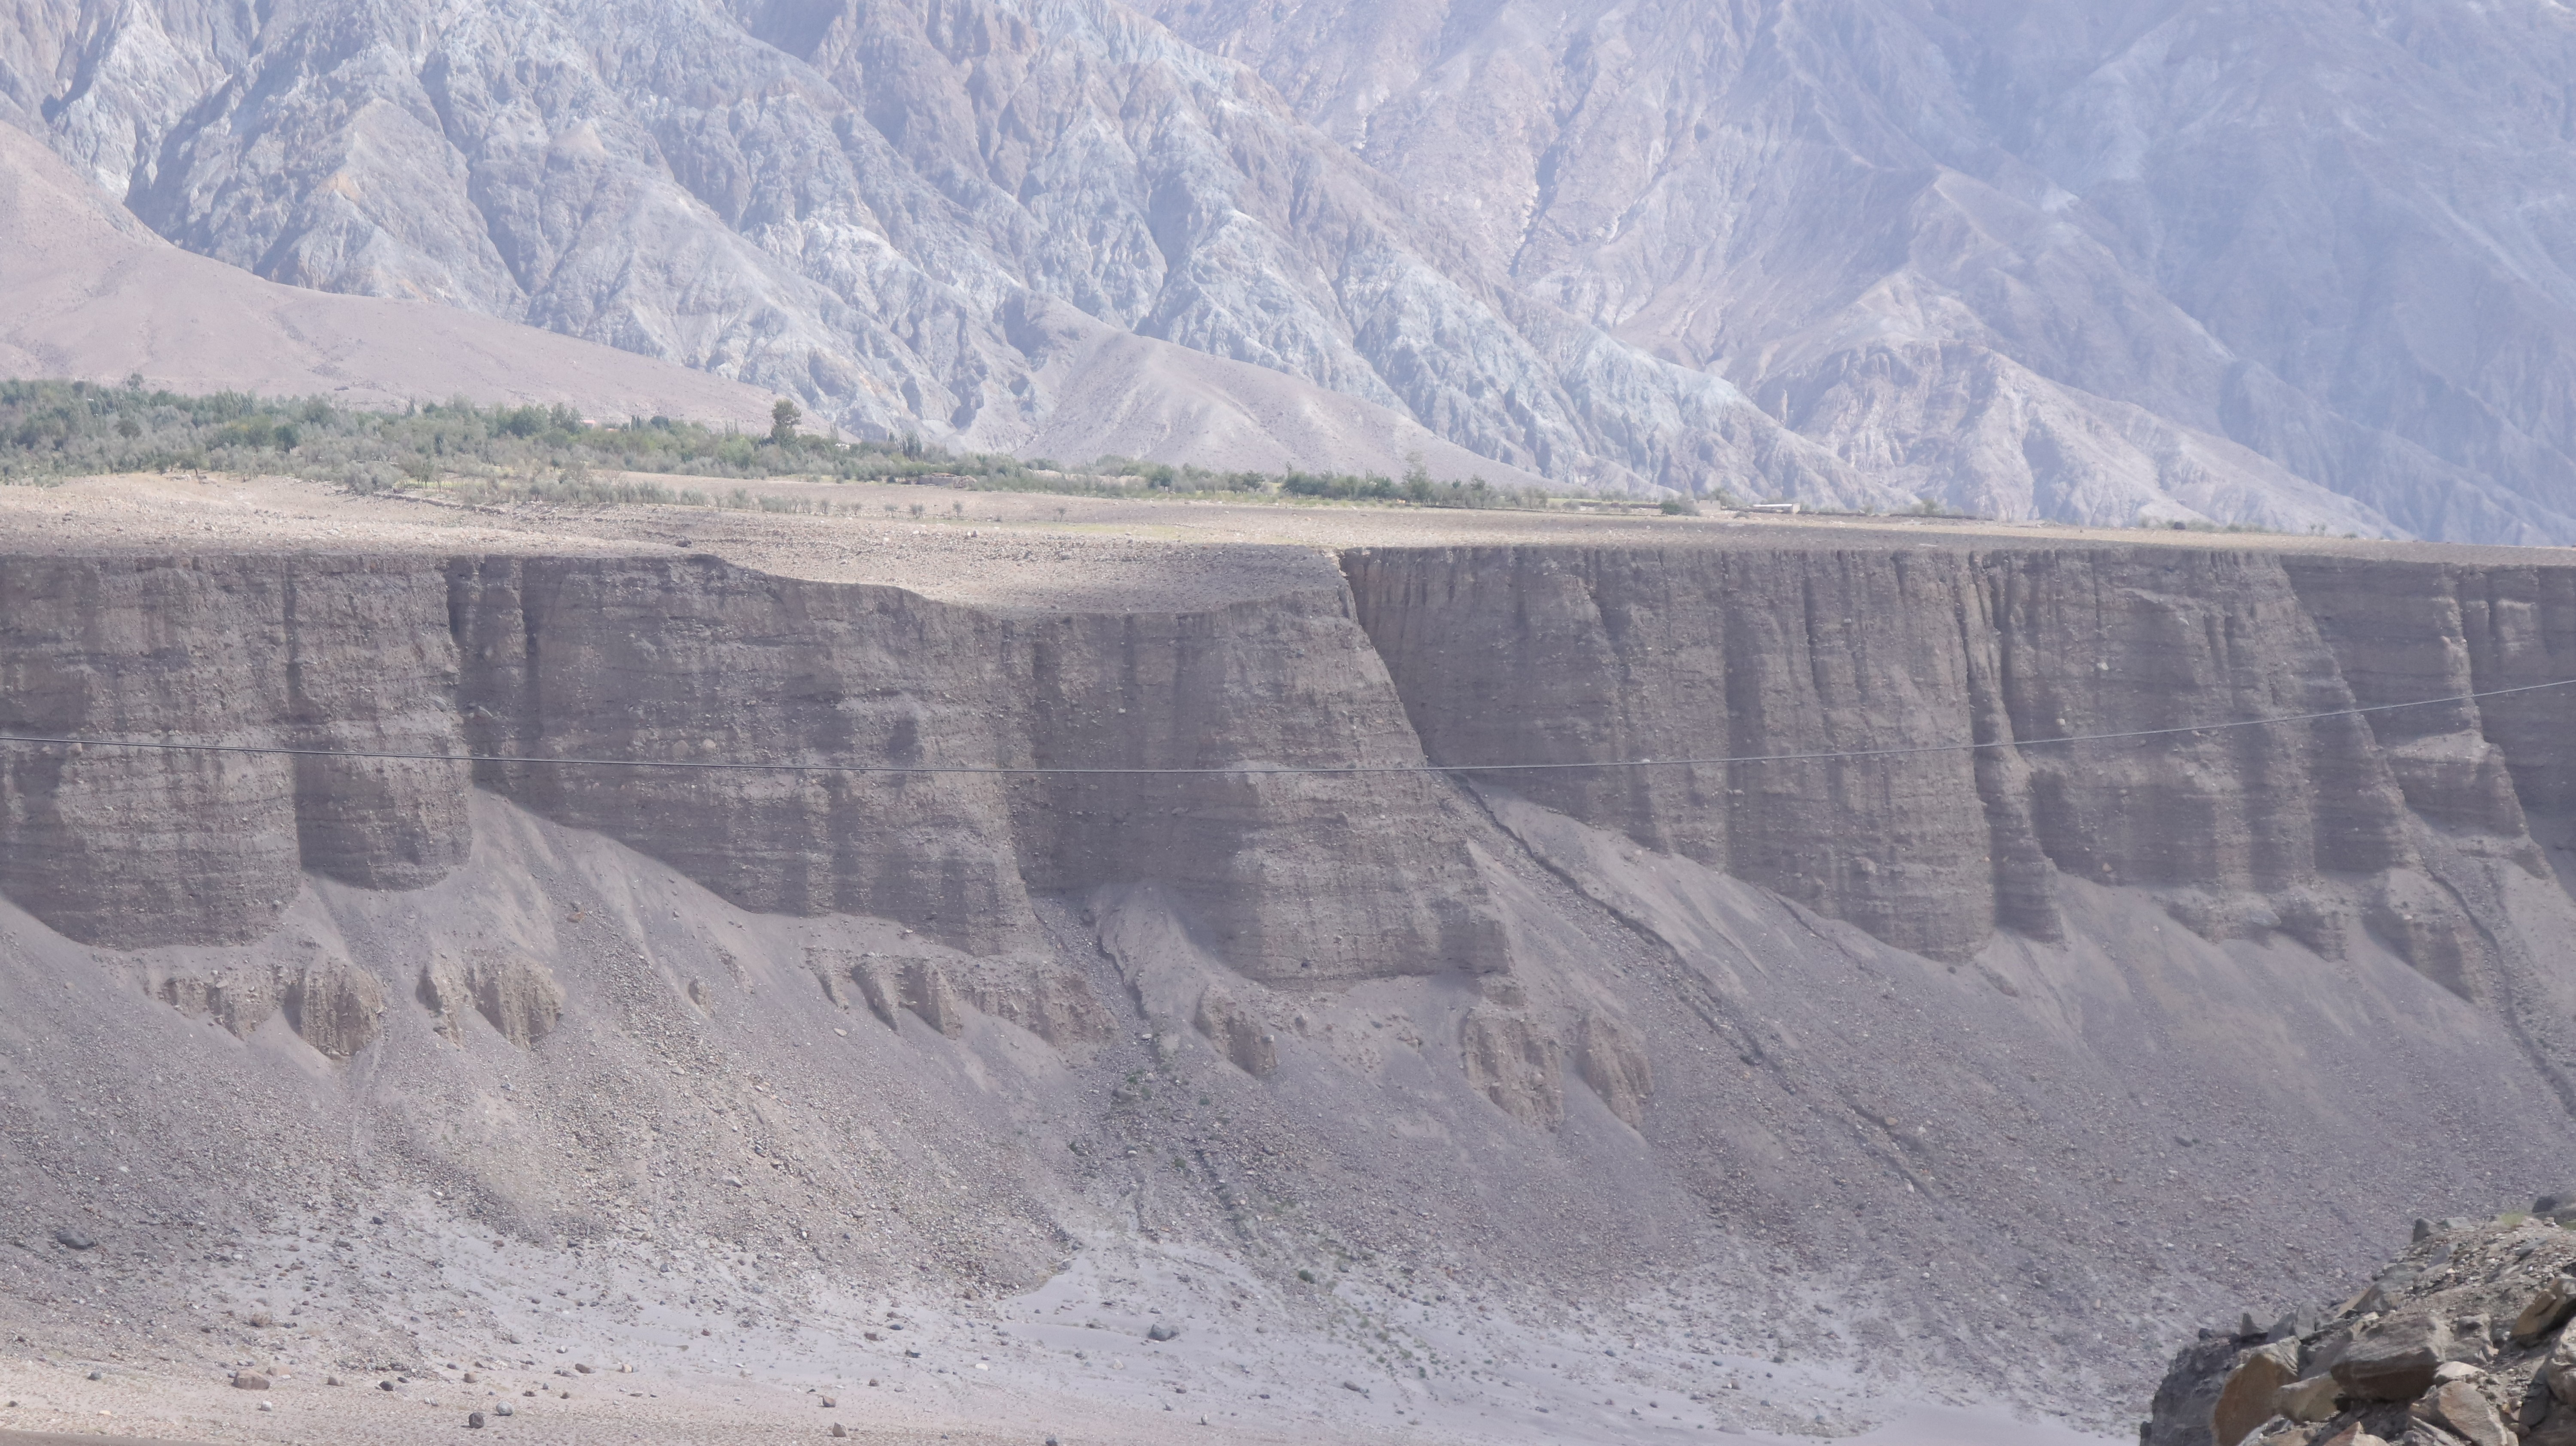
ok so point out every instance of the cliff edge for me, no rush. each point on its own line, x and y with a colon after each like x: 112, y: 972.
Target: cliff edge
x: 1862, y: 1050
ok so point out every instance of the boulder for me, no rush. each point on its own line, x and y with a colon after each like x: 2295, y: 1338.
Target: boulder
x: 2395, y: 1360
x: 2546, y: 1311
x: 2558, y: 1373
x: 2465, y: 1409
x: 2314, y: 1399
x: 2245, y: 1402
x: 2294, y: 1323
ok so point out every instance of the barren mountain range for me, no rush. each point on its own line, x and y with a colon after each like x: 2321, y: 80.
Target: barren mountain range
x: 2302, y: 265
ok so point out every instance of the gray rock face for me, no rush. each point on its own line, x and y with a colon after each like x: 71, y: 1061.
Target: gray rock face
x: 2107, y: 262
x: 652, y: 659
x: 2411, y: 829
x: 1748, y: 655
x: 2402, y: 825
x: 207, y: 848
x: 1590, y: 1013
x: 2323, y: 833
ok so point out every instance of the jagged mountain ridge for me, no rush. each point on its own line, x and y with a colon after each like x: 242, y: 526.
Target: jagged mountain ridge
x: 2111, y: 262
x: 2025, y: 258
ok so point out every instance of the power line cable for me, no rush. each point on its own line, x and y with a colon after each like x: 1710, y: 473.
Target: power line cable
x: 1263, y: 770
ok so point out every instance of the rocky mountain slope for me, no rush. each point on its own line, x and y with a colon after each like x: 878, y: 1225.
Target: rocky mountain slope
x: 919, y: 217
x: 1875, y: 1073
x: 2027, y: 258
x: 93, y: 294
x: 2120, y: 260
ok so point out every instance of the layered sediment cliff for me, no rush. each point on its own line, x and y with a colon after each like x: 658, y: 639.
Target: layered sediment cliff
x: 2072, y: 1020
x: 1886, y: 657
x: 684, y: 661
x: 1878, y: 653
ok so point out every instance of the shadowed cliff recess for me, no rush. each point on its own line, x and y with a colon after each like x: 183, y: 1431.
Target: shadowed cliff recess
x: 1895, y: 1073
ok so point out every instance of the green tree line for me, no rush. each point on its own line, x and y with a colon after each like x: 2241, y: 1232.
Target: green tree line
x: 55, y: 429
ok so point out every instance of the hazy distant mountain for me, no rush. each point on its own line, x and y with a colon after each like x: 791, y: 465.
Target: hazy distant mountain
x: 2306, y: 264
x: 2030, y: 256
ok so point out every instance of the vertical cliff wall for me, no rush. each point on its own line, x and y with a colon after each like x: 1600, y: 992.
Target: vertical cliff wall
x: 1293, y: 879
x: 2391, y: 822
x: 2102, y: 1026
x: 1511, y: 655
x: 138, y: 848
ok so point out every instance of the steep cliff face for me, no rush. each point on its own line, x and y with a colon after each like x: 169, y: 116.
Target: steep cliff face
x: 1881, y: 653
x: 1710, y: 655
x: 1887, y: 656
x: 1292, y: 879
x: 2005, y: 1048
x: 2396, y: 823
x: 139, y: 848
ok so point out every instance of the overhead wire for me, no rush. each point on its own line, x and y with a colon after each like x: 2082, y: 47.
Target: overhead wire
x: 1256, y: 770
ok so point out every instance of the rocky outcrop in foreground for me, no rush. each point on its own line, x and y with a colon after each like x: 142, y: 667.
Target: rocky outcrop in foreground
x: 2463, y: 1339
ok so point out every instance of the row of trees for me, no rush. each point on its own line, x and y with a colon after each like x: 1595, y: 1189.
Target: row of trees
x: 66, y: 428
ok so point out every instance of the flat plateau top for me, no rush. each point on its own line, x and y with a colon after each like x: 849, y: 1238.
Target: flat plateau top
x: 1001, y: 549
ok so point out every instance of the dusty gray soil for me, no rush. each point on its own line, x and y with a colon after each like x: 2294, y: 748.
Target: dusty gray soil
x: 1004, y: 549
